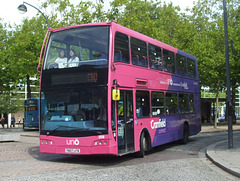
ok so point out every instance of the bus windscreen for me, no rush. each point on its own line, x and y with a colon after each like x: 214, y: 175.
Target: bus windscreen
x: 78, y: 111
x: 85, y: 46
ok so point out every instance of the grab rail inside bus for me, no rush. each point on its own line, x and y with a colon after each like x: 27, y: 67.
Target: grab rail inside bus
x: 43, y: 45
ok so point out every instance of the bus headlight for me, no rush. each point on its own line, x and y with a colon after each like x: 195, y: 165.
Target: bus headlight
x: 46, y: 142
x: 102, y: 142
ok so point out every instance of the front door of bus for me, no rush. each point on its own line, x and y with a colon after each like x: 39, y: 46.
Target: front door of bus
x: 125, y: 122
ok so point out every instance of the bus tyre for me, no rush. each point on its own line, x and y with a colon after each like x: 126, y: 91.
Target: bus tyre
x: 185, y: 134
x: 143, y: 146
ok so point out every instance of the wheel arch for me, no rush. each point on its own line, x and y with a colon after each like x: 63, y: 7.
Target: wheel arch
x: 147, y: 136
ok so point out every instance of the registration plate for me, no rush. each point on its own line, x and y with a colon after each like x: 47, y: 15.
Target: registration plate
x: 70, y: 150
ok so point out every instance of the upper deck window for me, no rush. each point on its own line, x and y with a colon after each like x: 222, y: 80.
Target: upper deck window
x: 181, y: 64
x: 191, y: 68
x: 121, y: 48
x: 77, y: 47
x: 155, y: 57
x: 139, y: 52
x: 169, y: 61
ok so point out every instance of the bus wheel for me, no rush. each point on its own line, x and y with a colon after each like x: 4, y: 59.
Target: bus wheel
x: 185, y: 134
x: 143, y: 146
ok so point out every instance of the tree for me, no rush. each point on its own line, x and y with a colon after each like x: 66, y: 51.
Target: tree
x: 148, y: 17
x: 6, y: 75
x: 25, y: 45
x: 63, y: 13
x: 208, y: 18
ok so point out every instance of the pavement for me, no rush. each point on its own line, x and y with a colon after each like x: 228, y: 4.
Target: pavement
x: 218, y: 153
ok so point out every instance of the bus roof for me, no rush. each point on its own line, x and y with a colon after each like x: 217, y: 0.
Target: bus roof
x: 82, y: 25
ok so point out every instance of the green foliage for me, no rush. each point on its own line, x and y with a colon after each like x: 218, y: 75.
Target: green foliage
x: 63, y: 13
x: 148, y: 17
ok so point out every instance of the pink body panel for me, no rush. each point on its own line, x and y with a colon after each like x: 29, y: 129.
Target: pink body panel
x: 85, y: 144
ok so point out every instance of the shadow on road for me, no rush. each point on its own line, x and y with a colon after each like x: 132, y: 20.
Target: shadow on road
x: 154, y: 155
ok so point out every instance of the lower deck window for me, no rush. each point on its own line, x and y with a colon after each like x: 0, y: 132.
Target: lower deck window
x: 171, y: 104
x: 142, y: 103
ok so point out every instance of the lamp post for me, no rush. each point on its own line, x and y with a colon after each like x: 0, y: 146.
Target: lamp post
x: 229, y: 102
x: 23, y: 9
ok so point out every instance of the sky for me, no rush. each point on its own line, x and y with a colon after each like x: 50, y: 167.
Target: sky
x: 10, y: 14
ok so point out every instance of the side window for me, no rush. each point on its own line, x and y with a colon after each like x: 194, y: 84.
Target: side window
x: 155, y: 57
x: 181, y: 64
x: 183, y: 103
x: 191, y: 103
x: 191, y: 68
x: 139, y: 52
x: 121, y: 48
x: 157, y: 103
x: 143, y: 104
x: 171, y: 103
x: 168, y: 61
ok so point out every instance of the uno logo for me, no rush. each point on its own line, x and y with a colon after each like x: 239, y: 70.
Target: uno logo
x: 72, y: 142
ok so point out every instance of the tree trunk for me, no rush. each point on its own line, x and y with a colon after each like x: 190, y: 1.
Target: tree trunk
x: 217, y: 105
x: 28, y: 87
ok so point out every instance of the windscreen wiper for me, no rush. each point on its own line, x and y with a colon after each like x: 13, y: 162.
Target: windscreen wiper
x: 88, y: 129
x: 59, y: 126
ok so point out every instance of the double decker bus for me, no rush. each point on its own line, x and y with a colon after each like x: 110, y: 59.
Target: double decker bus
x: 123, y: 93
x: 31, y: 112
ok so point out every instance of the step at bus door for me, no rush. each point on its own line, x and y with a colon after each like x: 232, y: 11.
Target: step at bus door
x: 125, y: 122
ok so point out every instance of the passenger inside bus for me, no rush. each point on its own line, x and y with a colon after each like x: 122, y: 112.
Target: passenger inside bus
x: 139, y: 112
x: 73, y: 60
x: 118, y: 56
x: 135, y: 59
x: 61, y: 61
x: 102, y: 110
x: 143, y: 61
x: 80, y: 115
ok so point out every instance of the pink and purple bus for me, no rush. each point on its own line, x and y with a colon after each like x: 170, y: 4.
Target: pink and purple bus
x: 106, y: 89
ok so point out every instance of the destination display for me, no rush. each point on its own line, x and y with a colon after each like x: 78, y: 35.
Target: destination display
x: 74, y: 78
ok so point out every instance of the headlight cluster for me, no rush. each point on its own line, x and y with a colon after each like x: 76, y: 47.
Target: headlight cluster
x: 46, y: 142
x: 101, y: 142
